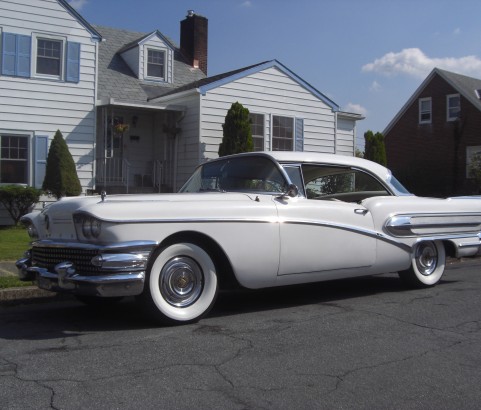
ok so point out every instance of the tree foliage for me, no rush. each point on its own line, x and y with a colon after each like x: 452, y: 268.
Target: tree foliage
x: 475, y: 170
x: 61, y: 176
x: 237, y: 133
x: 375, y: 149
x: 18, y: 200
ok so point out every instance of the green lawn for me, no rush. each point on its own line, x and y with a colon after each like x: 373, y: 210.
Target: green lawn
x: 13, y: 243
x: 12, y: 282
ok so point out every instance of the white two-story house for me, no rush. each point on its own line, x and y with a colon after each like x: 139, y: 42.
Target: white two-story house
x: 137, y: 111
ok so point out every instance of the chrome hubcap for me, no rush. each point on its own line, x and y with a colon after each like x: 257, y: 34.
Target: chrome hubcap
x: 181, y: 281
x: 426, y: 258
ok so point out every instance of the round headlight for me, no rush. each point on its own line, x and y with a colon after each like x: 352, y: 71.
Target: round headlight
x: 95, y: 228
x: 86, y: 227
x: 32, y: 231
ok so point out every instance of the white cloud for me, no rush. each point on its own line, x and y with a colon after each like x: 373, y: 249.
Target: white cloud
x: 457, y: 31
x: 246, y: 3
x: 78, y: 4
x: 413, y: 62
x: 355, y: 108
x: 375, y: 86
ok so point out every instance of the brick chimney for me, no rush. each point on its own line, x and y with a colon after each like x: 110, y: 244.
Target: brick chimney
x: 193, y: 40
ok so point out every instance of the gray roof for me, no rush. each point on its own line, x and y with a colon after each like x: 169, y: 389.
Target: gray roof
x: 466, y: 86
x: 116, y: 79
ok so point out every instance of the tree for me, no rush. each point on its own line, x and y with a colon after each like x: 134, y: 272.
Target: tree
x: 18, y: 200
x: 237, y: 134
x: 475, y: 170
x: 375, y: 150
x: 60, y: 176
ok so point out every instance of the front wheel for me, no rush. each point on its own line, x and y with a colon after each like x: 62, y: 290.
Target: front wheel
x: 181, y: 284
x: 427, y: 265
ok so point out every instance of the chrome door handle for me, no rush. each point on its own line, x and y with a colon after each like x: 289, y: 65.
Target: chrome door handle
x: 361, y: 211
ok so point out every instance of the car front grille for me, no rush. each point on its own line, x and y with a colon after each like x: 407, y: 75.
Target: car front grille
x: 48, y: 257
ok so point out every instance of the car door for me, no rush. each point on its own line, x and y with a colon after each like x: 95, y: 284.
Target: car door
x: 321, y: 235
x: 326, y: 229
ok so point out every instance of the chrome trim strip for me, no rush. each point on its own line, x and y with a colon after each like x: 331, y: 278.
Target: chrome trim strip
x: 401, y: 225
x: 47, y: 243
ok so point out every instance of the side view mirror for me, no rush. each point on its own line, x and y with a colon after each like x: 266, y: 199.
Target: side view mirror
x: 292, y: 191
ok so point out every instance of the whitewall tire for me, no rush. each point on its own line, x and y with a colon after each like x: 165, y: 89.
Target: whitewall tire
x: 427, y: 264
x: 181, y: 285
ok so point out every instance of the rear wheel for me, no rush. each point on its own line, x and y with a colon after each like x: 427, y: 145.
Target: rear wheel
x: 427, y: 265
x: 181, y: 285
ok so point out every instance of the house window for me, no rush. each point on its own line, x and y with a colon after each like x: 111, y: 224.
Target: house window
x: 282, y: 133
x: 257, y: 127
x: 14, y: 159
x: 49, y: 57
x: 155, y: 63
x: 425, y: 110
x: 453, y: 108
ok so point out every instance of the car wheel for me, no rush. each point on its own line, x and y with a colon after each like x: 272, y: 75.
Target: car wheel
x: 427, y: 265
x: 181, y: 284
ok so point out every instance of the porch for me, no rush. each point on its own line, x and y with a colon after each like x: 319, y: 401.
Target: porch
x: 118, y: 176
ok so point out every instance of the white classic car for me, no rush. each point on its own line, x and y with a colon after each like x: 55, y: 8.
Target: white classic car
x: 253, y: 220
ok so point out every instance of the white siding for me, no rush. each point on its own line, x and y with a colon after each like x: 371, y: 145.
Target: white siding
x: 345, y: 136
x: 131, y: 57
x: 33, y: 106
x: 269, y: 92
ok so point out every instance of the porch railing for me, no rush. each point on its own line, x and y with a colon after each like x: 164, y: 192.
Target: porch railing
x: 113, y: 172
x: 157, y: 175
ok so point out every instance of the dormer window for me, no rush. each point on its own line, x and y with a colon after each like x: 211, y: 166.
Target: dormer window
x: 155, y: 64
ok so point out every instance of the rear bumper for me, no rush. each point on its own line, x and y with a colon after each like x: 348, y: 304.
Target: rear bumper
x: 117, y: 274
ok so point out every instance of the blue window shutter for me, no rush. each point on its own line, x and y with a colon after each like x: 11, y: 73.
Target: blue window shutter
x: 24, y: 47
x: 9, y: 53
x: 73, y: 62
x: 41, y: 152
x: 299, y: 134
x: 16, y: 55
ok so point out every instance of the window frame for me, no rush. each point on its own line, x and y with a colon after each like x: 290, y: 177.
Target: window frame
x: 258, y: 137
x: 146, y: 63
x: 28, y: 136
x: 293, y: 131
x: 42, y: 36
x: 449, y: 98
x: 422, y: 112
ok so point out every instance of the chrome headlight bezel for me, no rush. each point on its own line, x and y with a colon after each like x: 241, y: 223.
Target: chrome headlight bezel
x: 87, y: 227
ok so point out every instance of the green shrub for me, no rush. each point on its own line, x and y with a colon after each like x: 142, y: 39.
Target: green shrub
x: 61, y: 177
x: 237, y: 132
x: 18, y: 200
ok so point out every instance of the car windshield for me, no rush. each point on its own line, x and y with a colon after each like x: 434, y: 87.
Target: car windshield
x: 242, y: 174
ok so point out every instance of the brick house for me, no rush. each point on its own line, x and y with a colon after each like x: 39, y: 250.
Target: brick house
x: 430, y: 142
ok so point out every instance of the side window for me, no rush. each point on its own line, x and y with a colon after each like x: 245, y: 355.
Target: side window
x: 14, y: 159
x: 337, y: 183
x: 453, y: 107
x: 246, y: 174
x: 425, y: 110
x: 257, y: 127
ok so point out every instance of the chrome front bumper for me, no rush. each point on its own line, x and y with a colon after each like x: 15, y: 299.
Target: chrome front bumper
x: 119, y: 273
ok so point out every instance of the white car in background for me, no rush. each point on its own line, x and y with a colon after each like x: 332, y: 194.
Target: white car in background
x: 253, y: 220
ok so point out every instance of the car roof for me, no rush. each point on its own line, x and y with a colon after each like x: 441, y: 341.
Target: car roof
x: 320, y: 158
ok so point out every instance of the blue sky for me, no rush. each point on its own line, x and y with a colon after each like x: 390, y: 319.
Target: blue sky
x: 368, y: 56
